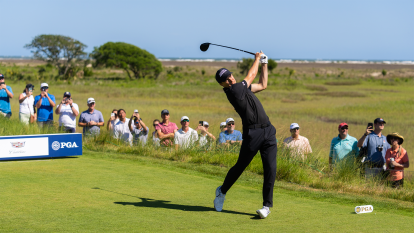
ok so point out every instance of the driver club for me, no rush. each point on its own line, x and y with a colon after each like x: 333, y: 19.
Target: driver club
x: 204, y: 47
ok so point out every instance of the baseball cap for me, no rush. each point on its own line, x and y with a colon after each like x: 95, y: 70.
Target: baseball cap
x: 67, y: 94
x: 1, y: 76
x: 136, y: 110
x: 205, y: 123
x: 185, y: 118
x: 294, y: 125
x: 91, y: 100
x: 165, y: 111
x: 379, y: 120
x: 342, y: 125
x: 222, y: 124
x: 229, y: 120
x: 222, y: 75
x: 44, y: 85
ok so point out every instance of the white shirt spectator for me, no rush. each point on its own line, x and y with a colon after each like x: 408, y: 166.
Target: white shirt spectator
x: 185, y: 140
x: 140, y: 136
x: 26, y: 107
x: 66, y: 116
x: 298, y: 147
x: 155, y: 140
x: 121, y: 131
x: 113, y: 123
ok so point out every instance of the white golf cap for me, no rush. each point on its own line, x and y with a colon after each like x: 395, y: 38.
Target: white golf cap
x: 294, y: 125
x: 91, y: 100
x: 205, y: 123
x: 44, y: 85
x: 222, y: 124
x: 185, y: 118
x: 229, y: 120
x: 136, y: 110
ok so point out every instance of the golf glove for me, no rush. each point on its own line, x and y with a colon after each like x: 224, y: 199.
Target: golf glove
x: 263, y: 59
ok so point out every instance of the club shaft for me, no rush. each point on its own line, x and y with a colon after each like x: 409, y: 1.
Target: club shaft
x: 234, y: 48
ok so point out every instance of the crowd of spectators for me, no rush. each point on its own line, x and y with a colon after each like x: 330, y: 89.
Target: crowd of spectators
x: 379, y: 154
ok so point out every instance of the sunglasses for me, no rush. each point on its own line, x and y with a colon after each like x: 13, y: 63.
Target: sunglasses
x: 346, y: 127
x: 136, y: 122
x: 229, y: 124
x: 295, y: 128
x: 185, y: 120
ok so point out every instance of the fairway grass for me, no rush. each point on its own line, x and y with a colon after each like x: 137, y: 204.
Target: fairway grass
x: 95, y: 193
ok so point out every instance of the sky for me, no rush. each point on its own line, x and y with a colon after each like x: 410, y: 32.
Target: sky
x: 294, y: 29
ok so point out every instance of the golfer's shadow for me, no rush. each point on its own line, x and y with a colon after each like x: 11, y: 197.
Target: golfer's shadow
x: 152, y: 203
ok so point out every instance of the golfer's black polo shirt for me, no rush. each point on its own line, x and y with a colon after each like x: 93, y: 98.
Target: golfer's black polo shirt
x: 246, y: 104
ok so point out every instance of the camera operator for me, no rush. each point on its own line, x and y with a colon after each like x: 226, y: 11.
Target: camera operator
x: 140, y: 131
x: 376, y: 144
x: 205, y: 138
x: 27, y: 109
x: 44, y: 104
x: 6, y: 94
x: 121, y: 130
x: 112, y: 121
x: 67, y: 111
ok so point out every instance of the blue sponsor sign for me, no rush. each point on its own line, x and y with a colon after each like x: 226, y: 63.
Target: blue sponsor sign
x: 40, y: 146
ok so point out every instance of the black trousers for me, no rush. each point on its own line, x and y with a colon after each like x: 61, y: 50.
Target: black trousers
x: 253, y: 141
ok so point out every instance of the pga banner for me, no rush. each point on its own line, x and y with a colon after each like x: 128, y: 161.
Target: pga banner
x: 40, y: 146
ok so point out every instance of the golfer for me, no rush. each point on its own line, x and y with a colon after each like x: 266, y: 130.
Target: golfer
x: 258, y: 133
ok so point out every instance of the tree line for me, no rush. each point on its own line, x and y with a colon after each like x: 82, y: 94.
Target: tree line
x: 67, y: 53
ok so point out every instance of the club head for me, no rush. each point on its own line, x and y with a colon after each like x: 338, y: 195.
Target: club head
x: 204, y: 46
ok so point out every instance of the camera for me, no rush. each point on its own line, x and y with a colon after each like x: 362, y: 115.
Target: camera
x: 380, y: 148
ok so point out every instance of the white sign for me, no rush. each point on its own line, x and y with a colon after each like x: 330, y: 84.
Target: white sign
x: 20, y: 147
x: 364, y: 209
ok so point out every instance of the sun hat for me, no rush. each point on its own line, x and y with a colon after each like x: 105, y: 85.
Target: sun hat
x: 395, y: 135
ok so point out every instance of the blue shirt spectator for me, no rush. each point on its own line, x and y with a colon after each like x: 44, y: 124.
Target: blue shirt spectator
x: 5, y: 99
x: 376, y: 144
x: 343, y: 148
x: 235, y: 136
x: 45, y: 109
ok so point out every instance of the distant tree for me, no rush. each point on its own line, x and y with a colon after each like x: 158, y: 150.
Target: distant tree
x: 58, y: 50
x: 128, y: 57
x: 247, y: 63
x: 384, y: 72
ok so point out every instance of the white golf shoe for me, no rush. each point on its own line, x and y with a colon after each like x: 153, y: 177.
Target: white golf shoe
x: 219, y: 200
x: 263, y: 212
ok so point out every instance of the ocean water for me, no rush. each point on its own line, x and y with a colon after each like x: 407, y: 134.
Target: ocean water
x: 396, y: 62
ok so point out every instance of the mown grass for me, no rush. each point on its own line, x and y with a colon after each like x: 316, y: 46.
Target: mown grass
x: 188, y: 92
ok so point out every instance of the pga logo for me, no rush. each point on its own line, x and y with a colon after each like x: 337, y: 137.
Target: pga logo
x: 60, y: 145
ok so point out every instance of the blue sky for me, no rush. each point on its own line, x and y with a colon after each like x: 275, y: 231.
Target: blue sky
x: 296, y: 29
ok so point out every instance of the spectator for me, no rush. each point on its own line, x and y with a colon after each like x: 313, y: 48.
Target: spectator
x: 121, y: 130
x: 112, y: 121
x: 45, y: 103
x: 140, y: 131
x: 166, y: 129
x: 298, y: 145
x: 26, y: 101
x: 91, y: 119
x: 223, y: 126
x: 344, y: 146
x: 205, y: 137
x: 155, y: 139
x: 230, y: 136
x: 67, y: 111
x: 6, y: 94
x: 397, y: 159
x: 376, y: 144
x: 186, y: 136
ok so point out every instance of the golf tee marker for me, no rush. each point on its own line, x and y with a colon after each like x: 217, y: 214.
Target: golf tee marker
x: 364, y: 209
